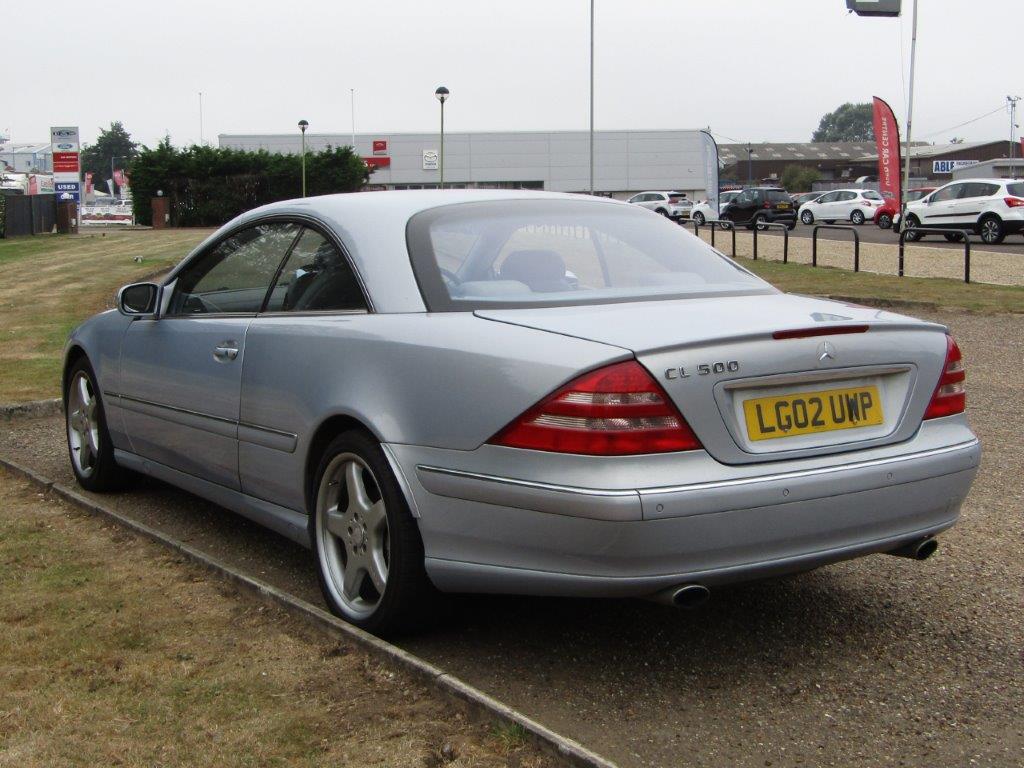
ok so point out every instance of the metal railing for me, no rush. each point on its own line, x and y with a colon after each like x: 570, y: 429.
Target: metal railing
x: 964, y: 234
x: 763, y: 225
x: 714, y: 224
x: 856, y: 243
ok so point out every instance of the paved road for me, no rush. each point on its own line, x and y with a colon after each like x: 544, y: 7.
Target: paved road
x: 877, y: 662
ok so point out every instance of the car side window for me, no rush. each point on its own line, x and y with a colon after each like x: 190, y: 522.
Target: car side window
x: 316, y: 278
x: 845, y: 197
x: 744, y: 198
x: 830, y: 197
x: 979, y: 189
x: 952, y: 192
x: 234, y: 275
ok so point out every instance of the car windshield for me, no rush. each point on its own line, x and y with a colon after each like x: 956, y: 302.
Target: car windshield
x: 523, y: 253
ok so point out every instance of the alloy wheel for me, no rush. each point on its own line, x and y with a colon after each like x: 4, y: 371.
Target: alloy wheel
x: 991, y: 231
x: 83, y: 425
x: 352, y: 537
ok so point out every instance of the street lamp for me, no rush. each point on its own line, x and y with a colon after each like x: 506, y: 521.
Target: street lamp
x: 442, y: 96
x: 750, y: 165
x: 303, y: 125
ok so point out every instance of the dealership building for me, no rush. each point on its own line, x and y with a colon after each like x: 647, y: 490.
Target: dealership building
x: 625, y: 162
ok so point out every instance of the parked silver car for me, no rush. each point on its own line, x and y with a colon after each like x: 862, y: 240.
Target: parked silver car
x: 672, y: 205
x: 496, y: 391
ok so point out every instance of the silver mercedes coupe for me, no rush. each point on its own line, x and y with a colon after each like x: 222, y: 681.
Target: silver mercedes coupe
x: 519, y: 392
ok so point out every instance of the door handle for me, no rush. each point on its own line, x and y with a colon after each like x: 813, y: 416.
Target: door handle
x: 225, y: 351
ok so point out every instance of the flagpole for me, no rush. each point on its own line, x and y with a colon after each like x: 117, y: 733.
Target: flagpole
x: 910, y: 120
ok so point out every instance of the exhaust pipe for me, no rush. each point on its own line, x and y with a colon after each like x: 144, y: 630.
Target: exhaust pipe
x: 685, y: 596
x: 921, y: 549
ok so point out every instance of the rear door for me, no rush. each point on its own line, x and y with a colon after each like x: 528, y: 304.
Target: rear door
x: 940, y: 210
x: 846, y: 201
x: 971, y: 202
x: 181, y: 373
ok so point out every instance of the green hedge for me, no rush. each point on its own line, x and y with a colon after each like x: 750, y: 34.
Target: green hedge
x: 208, y: 186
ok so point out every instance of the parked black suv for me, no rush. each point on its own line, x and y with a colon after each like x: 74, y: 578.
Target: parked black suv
x: 761, y: 204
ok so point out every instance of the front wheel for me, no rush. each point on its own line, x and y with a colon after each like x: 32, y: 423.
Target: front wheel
x: 885, y: 221
x: 807, y: 217
x: 663, y: 212
x: 914, y: 223
x: 89, y: 445
x: 366, y: 544
x: 699, y: 218
x: 992, y: 231
x: 857, y: 217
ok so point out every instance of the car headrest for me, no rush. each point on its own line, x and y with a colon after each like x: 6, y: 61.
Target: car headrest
x: 543, y: 271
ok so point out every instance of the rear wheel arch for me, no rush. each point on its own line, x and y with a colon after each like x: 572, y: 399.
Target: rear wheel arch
x: 324, y: 434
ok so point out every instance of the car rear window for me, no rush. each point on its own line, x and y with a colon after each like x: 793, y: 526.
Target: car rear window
x: 777, y: 196
x: 1017, y: 190
x: 870, y: 194
x: 527, y: 253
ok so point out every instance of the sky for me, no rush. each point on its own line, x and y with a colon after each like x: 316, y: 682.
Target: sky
x: 751, y: 70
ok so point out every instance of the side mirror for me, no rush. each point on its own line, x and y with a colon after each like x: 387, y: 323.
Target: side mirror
x: 138, y: 299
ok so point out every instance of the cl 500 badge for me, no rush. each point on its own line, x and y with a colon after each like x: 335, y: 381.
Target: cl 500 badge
x: 704, y: 369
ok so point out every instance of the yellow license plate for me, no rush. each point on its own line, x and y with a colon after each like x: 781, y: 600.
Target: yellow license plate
x: 783, y: 205
x: 805, y: 413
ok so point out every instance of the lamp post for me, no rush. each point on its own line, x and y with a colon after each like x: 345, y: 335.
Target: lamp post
x: 750, y: 165
x: 442, y: 95
x: 1011, y: 102
x: 303, y: 125
x: 591, y: 96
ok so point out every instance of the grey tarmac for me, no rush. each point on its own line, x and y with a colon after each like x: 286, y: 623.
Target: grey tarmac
x: 877, y: 662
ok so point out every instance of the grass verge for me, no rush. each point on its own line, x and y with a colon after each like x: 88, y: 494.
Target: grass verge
x: 115, y: 652
x: 875, y: 288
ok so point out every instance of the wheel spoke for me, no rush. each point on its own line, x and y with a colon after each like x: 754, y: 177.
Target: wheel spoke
x: 355, y: 570
x: 93, y: 439
x: 357, y: 499
x: 378, y: 570
x: 375, y: 517
x: 336, y: 522
x: 83, y: 391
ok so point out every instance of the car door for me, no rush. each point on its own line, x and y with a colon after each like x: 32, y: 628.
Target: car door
x: 824, y: 206
x: 316, y: 311
x: 940, y: 210
x: 968, y: 205
x: 844, y: 204
x: 742, y: 208
x: 181, y: 372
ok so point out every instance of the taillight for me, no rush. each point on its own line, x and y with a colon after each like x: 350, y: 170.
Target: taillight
x: 949, y: 397
x: 613, y: 411
x: 767, y: 205
x: 1013, y: 202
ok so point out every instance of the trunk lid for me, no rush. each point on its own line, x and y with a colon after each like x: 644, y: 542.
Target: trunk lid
x: 718, y: 361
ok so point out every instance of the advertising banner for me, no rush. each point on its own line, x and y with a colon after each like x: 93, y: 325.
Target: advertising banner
x: 64, y: 142
x: 430, y: 160
x: 887, y: 142
x: 377, y: 162
x: 948, y: 166
x: 380, y: 146
x: 709, y: 156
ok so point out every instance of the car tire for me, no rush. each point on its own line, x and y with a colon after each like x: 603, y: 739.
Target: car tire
x: 662, y: 211
x: 953, y: 237
x: 791, y: 225
x: 914, y: 223
x: 857, y: 217
x: 85, y: 426
x: 368, y: 556
x: 699, y: 218
x: 991, y: 230
x: 885, y: 221
x: 807, y: 217
x: 758, y: 220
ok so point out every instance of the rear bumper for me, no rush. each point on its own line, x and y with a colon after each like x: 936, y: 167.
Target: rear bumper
x: 517, y: 533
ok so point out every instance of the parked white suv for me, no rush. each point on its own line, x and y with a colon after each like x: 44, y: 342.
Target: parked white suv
x: 853, y: 205
x: 991, y: 208
x: 671, y: 204
x: 702, y: 211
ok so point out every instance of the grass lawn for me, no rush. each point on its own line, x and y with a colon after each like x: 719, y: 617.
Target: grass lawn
x: 114, y: 651
x: 50, y: 283
x: 867, y: 286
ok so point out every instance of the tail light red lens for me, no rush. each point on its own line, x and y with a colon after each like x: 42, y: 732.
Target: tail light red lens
x: 1013, y: 202
x: 949, y: 397
x: 614, y: 411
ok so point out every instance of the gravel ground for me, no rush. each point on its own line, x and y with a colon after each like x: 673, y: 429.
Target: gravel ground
x: 920, y: 260
x: 876, y: 662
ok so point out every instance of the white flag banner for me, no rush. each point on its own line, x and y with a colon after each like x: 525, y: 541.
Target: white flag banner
x: 709, y: 153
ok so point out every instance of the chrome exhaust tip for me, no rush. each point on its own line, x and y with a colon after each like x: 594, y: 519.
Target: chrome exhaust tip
x: 685, y: 596
x: 921, y: 549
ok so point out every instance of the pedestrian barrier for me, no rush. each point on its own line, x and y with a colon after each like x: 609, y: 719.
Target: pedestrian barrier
x: 715, y: 224
x: 856, y: 243
x: 964, y: 234
x: 763, y: 225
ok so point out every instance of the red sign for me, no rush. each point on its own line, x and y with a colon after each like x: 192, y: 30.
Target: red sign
x: 120, y: 178
x: 65, y: 162
x: 88, y: 183
x: 380, y: 146
x: 377, y: 162
x: 887, y: 141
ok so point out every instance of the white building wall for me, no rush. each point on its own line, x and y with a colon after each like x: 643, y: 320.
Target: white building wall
x: 624, y: 161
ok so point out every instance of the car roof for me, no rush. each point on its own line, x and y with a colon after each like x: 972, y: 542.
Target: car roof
x: 371, y: 226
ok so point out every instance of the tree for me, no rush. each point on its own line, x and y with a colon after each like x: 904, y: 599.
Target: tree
x: 207, y: 186
x: 851, y: 122
x: 796, y: 178
x: 113, y: 149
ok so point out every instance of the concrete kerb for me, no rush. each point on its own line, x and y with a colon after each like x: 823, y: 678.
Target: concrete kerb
x: 31, y: 409
x: 444, y: 682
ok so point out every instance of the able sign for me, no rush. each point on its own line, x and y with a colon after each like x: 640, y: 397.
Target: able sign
x: 948, y: 166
